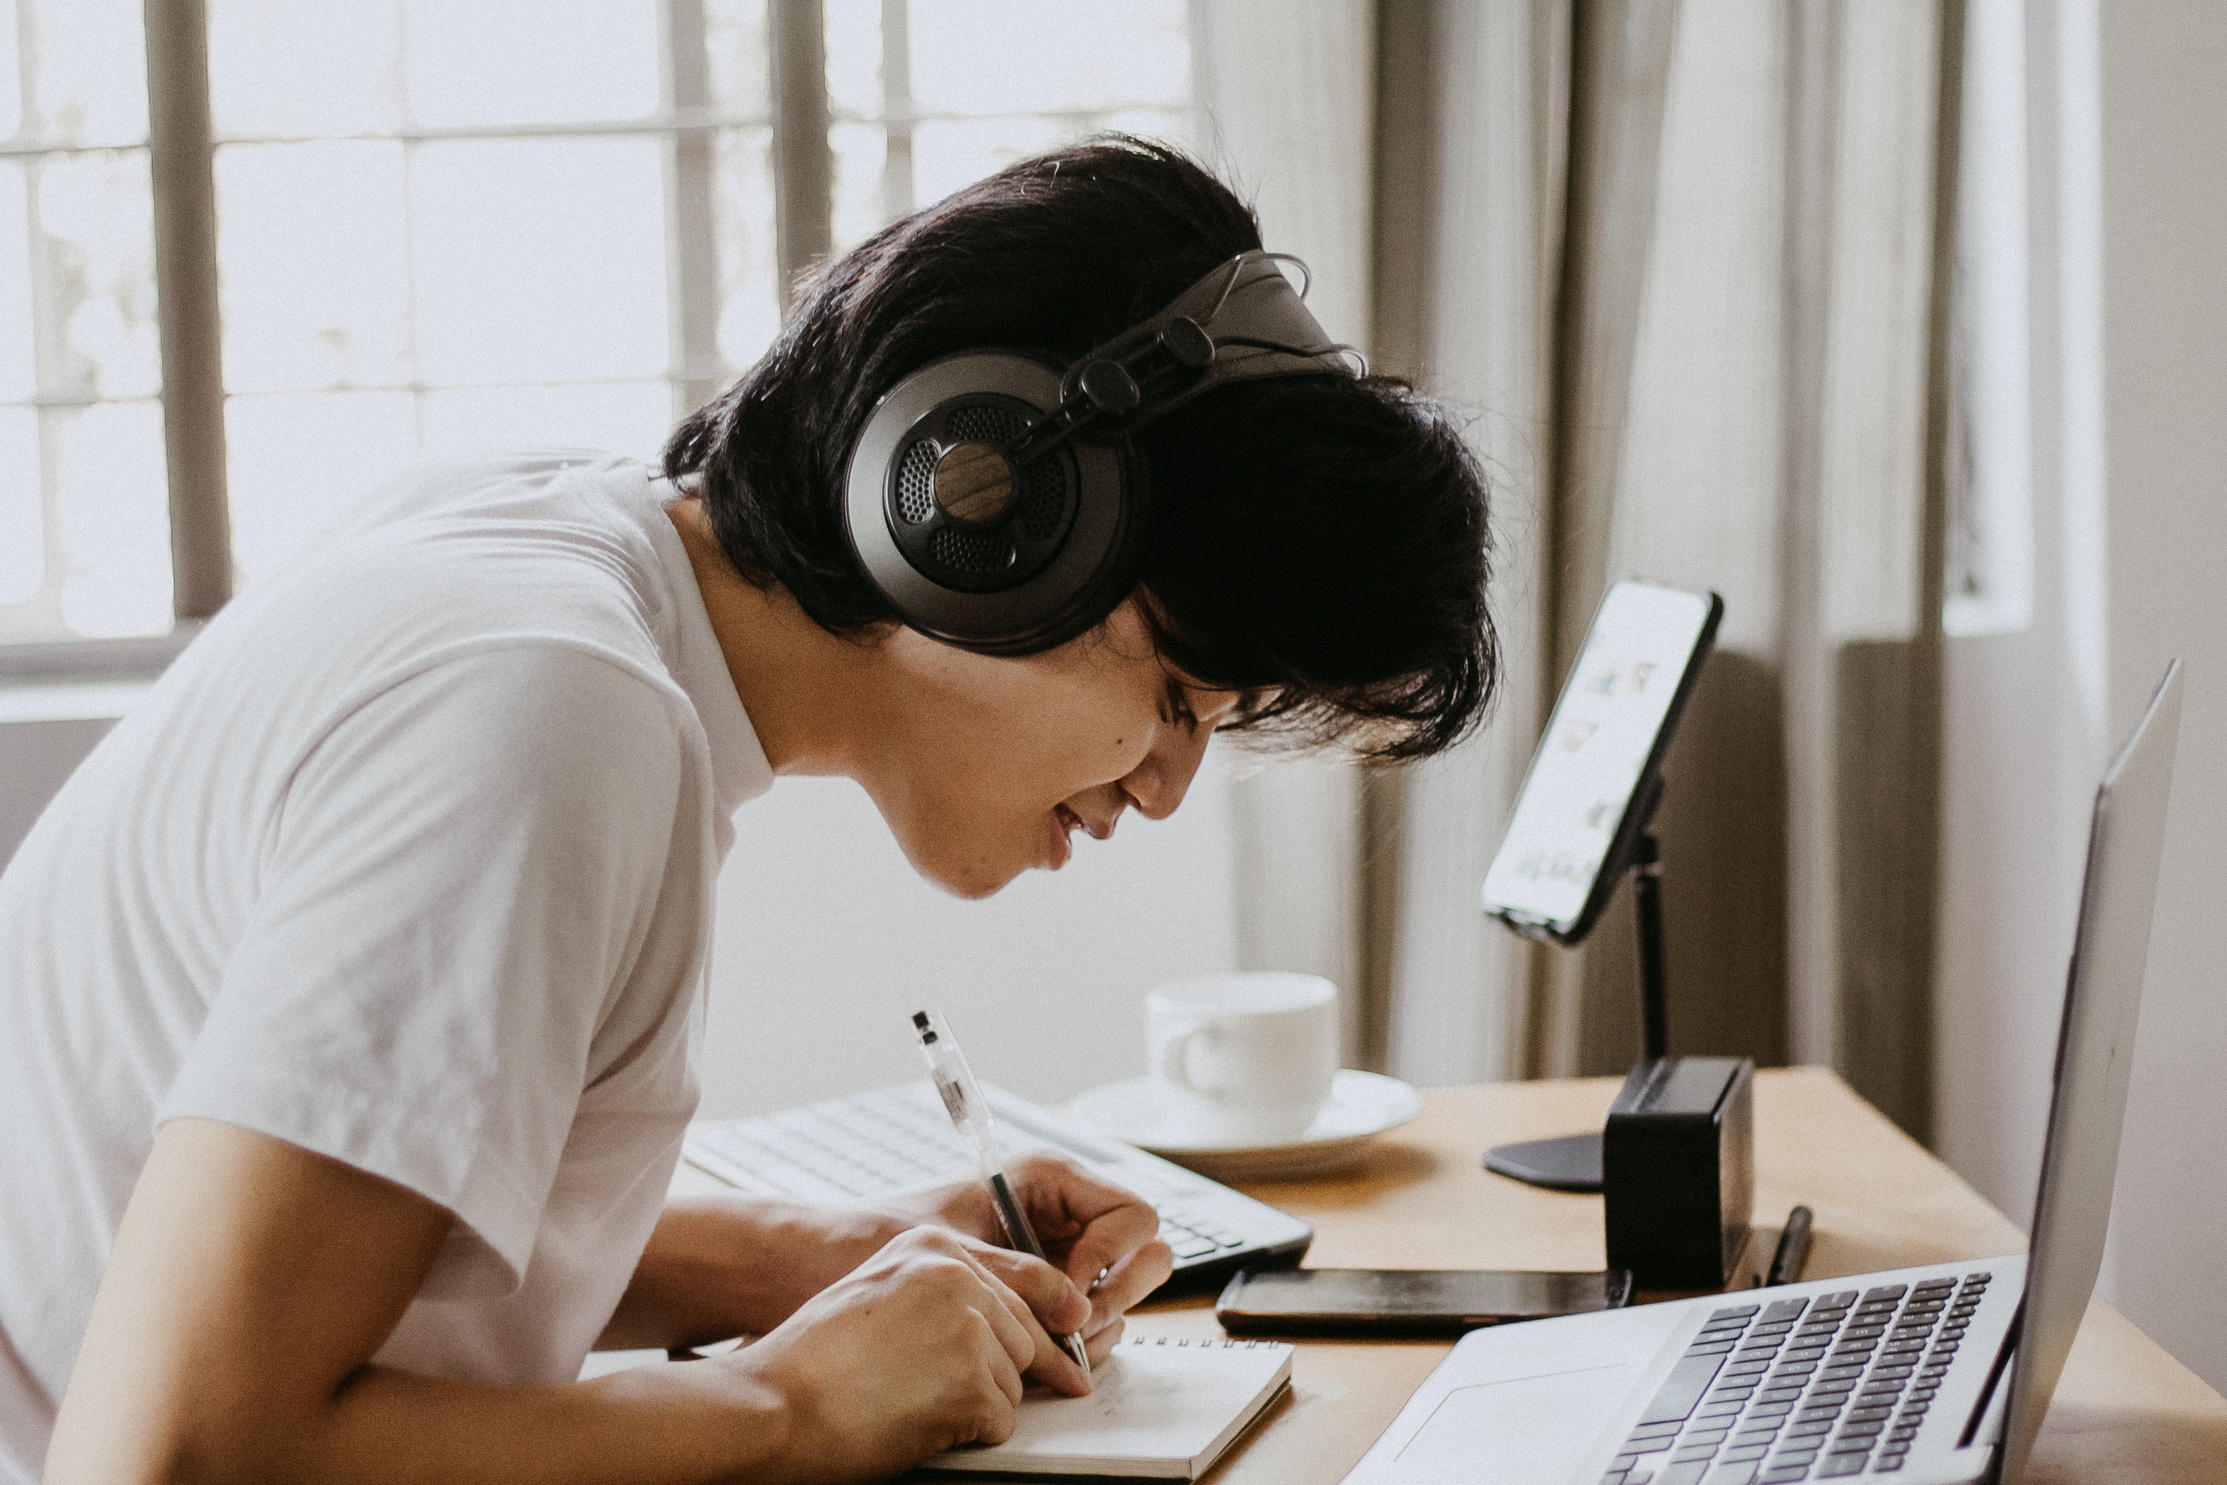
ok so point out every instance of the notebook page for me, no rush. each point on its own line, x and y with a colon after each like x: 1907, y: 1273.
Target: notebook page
x: 1161, y: 1408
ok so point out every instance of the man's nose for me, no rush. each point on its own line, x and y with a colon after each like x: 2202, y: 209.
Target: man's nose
x: 1159, y: 783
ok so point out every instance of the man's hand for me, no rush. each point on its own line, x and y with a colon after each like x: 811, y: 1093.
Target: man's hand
x: 1105, y: 1241
x: 918, y: 1349
x: 727, y: 1265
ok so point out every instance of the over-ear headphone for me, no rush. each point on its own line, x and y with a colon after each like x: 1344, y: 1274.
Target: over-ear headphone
x: 996, y: 498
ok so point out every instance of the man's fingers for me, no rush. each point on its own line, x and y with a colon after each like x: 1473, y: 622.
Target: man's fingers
x: 1127, y: 1282
x: 1031, y: 1344
x: 1109, y: 1237
x: 1056, y: 1300
x: 1101, y: 1345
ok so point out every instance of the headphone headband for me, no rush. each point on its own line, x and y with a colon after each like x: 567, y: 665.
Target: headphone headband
x: 999, y: 504
x: 1257, y: 322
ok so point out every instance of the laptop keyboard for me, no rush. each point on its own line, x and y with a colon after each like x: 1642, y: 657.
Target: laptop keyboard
x: 1802, y: 1389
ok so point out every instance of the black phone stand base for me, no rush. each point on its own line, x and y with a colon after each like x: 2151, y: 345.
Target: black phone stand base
x: 1569, y: 1163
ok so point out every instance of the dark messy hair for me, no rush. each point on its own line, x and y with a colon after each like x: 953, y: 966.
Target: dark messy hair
x: 1318, y: 539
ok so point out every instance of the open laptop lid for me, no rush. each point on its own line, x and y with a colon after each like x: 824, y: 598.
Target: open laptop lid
x: 2095, y: 1047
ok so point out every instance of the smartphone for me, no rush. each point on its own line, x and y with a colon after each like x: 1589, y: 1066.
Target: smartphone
x: 1407, y: 1302
x: 1590, y: 787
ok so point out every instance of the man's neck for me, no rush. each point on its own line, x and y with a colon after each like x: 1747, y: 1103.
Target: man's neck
x: 809, y: 694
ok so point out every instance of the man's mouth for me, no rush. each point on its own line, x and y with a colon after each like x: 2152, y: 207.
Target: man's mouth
x: 1065, y: 822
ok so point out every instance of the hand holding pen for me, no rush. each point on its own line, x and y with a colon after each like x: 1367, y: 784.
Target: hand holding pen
x: 962, y: 1098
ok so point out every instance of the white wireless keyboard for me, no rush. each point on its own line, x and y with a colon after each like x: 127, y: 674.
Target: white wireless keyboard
x: 891, y: 1138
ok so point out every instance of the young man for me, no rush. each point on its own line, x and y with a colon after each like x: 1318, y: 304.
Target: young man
x: 351, y: 984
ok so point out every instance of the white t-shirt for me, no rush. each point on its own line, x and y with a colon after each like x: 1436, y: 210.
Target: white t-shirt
x: 409, y: 860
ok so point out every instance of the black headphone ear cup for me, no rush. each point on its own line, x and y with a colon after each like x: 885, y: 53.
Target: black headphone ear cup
x: 1057, y: 556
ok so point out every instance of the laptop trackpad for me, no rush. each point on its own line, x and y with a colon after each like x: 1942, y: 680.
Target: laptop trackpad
x: 1490, y: 1431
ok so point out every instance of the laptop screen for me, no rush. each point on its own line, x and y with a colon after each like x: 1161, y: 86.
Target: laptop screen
x: 2095, y: 1048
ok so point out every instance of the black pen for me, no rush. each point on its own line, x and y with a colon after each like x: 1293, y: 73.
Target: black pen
x: 962, y: 1099
x: 1793, y: 1248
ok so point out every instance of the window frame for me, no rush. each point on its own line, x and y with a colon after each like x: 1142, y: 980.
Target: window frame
x: 182, y: 146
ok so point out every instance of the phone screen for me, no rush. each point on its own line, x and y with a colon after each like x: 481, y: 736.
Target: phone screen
x: 1622, y: 694
x: 1413, y: 1302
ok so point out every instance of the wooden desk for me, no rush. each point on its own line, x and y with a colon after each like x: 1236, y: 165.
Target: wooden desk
x: 2124, y: 1412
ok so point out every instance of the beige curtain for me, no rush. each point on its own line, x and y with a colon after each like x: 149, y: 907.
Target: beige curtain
x: 1675, y: 260
x: 1286, y: 99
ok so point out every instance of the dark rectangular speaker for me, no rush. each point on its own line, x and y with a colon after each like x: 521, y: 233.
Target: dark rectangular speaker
x: 1678, y: 1171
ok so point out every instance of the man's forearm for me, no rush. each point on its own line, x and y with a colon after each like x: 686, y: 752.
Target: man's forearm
x: 721, y: 1266
x: 645, y: 1427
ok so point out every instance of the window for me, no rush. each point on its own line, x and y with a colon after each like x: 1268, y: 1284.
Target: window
x: 446, y: 223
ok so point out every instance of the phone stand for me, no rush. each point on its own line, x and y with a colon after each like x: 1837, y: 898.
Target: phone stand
x: 1572, y: 1162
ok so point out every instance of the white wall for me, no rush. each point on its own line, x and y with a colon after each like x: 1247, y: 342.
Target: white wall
x: 2164, y: 70
x: 827, y: 942
x: 2024, y: 716
x: 2128, y: 305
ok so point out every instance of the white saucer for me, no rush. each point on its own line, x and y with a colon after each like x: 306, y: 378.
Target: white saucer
x: 1362, y: 1106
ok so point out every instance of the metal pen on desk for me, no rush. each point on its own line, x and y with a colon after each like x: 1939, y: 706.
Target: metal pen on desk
x: 962, y: 1097
x: 1793, y: 1248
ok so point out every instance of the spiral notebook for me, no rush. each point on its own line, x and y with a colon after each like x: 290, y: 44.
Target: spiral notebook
x: 1160, y: 1409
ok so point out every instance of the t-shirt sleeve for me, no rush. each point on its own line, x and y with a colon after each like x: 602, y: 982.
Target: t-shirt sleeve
x: 457, y: 881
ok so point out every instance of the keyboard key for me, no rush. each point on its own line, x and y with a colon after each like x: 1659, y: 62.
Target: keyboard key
x: 1703, y: 1454
x: 1733, y: 1312
x: 1655, y: 1430
x: 1736, y: 1451
x: 1695, y: 1438
x: 1840, y: 1464
x: 1689, y: 1473
x: 1683, y: 1388
x: 1781, y: 1475
x: 1733, y: 1472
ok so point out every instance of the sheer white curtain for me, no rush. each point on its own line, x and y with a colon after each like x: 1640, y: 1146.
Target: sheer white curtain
x: 1676, y: 262
x: 1286, y: 100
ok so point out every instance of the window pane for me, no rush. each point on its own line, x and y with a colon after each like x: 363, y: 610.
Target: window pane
x: 861, y: 151
x: 540, y: 260
x: 615, y: 417
x: 749, y: 294
x: 314, y: 253
x: 948, y: 153
x: 96, y: 220
x: 470, y: 63
x: 19, y: 376
x: 299, y: 461
x: 114, y: 518
x: 282, y: 67
x: 854, y: 56
x: 735, y: 40
x: 22, y: 508
x: 90, y: 73
x: 990, y: 56
x: 11, y: 74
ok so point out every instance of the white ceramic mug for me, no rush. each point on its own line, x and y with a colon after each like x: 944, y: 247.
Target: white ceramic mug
x: 1243, y: 1058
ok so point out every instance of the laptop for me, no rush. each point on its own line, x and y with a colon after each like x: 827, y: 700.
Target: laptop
x: 1928, y: 1376
x: 888, y: 1139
